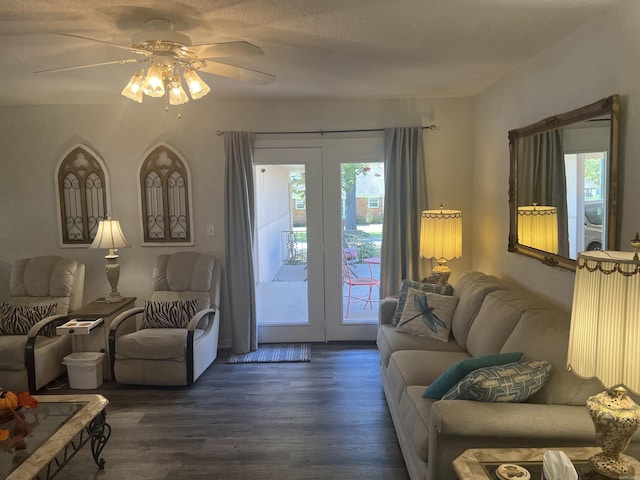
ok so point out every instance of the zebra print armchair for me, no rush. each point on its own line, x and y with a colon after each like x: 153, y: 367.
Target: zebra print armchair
x: 175, y: 338
x: 42, y: 290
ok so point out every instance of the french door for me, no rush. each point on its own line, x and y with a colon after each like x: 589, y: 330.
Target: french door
x: 301, y: 237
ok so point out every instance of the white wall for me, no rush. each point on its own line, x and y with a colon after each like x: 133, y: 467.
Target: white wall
x: 273, y: 217
x: 599, y: 60
x: 34, y: 138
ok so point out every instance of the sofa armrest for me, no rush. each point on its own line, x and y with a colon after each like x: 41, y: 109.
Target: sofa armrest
x: 53, y: 320
x: 123, y: 323
x: 386, y: 309
x: 202, y: 319
x: 124, y: 317
x: 457, y: 425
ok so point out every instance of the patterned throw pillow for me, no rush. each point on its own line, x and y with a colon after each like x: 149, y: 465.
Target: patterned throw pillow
x: 427, y: 314
x: 18, y: 319
x: 513, y: 382
x: 457, y: 371
x: 175, y: 314
x: 425, y: 287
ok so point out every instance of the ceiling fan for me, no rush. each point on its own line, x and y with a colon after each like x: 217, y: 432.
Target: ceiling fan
x: 171, y: 58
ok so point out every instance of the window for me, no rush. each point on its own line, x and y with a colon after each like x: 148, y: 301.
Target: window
x: 165, y: 197
x: 82, y: 195
x: 374, y: 202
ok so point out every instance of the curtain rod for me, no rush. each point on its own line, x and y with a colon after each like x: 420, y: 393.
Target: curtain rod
x: 322, y: 132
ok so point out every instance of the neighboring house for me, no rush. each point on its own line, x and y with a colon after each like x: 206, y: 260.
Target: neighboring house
x: 369, y: 199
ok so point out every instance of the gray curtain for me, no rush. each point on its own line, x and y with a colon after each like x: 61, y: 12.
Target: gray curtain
x: 405, y: 198
x: 542, y: 178
x: 239, y: 218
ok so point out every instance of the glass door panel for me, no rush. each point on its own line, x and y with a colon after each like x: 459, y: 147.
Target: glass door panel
x: 362, y: 187
x: 302, y: 218
x: 288, y: 265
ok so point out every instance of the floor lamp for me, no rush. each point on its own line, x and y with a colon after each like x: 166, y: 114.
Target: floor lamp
x: 603, y: 343
x: 441, y: 238
x: 110, y: 237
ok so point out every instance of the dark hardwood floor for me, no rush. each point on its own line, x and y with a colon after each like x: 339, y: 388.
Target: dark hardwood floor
x: 325, y: 419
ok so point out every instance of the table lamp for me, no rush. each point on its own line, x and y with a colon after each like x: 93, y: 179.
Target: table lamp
x: 538, y: 227
x: 603, y: 343
x: 441, y: 238
x: 110, y: 236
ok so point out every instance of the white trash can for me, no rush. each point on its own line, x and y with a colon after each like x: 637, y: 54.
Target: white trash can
x: 84, y: 369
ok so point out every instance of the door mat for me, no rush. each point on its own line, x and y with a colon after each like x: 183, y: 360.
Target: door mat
x: 275, y: 353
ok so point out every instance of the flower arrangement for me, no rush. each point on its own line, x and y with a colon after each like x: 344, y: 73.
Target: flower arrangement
x: 11, y: 404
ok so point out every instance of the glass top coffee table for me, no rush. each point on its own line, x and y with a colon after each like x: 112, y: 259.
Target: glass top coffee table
x: 60, y: 426
x: 482, y: 463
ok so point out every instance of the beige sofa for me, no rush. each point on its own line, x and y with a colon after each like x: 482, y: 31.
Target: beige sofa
x: 491, y: 317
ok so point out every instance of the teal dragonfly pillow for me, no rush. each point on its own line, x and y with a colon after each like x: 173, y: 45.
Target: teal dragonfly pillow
x: 425, y: 287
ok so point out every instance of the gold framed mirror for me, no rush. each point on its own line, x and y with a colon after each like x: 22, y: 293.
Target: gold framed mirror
x: 563, y: 184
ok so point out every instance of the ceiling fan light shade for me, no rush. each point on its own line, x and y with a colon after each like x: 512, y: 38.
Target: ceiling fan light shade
x: 197, y: 88
x: 133, y: 90
x: 177, y: 95
x: 154, y: 82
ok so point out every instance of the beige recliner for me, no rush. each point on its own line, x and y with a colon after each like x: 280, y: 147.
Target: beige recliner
x: 29, y: 362
x: 143, y: 353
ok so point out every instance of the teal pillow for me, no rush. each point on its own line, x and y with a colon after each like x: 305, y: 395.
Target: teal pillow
x: 513, y: 382
x: 459, y: 370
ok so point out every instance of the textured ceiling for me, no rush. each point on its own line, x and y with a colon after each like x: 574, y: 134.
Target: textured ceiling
x: 315, y: 48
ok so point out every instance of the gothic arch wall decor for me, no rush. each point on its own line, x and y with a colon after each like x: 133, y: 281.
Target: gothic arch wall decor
x: 82, y: 188
x: 165, y: 197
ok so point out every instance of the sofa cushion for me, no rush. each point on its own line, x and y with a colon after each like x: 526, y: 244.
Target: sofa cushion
x: 18, y: 319
x: 389, y: 340
x: 175, y: 314
x: 183, y: 271
x: 44, y: 276
x: 427, y: 314
x: 500, y: 312
x: 544, y: 335
x: 153, y: 344
x: 512, y: 382
x: 414, y: 413
x: 456, y: 372
x: 414, y: 367
x: 471, y: 289
x: 405, y: 285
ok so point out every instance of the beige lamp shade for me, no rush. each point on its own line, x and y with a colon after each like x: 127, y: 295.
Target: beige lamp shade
x: 538, y: 227
x: 605, y: 320
x: 109, y: 235
x: 441, y: 234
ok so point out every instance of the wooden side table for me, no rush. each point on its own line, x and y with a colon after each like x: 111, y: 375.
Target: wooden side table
x: 99, y: 341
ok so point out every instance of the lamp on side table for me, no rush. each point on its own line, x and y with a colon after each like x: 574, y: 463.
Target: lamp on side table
x: 441, y: 238
x: 110, y: 237
x: 603, y: 343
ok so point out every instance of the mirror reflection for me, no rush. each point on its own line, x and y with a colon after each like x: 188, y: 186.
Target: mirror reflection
x: 563, y: 185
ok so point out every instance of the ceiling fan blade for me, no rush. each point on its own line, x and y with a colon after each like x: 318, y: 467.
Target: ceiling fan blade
x: 238, y: 73
x: 226, y: 49
x: 78, y: 67
x: 116, y: 45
